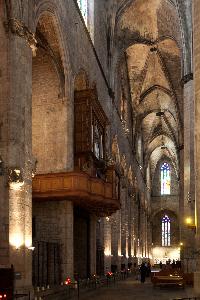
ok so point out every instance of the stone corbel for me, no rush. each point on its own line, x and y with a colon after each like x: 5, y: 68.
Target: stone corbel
x: 19, y: 28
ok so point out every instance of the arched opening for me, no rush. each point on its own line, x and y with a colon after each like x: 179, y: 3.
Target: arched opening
x: 48, y: 135
x: 165, y: 236
x: 49, y: 141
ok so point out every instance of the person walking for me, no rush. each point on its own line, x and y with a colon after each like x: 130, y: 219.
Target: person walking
x: 160, y: 265
x: 143, y: 271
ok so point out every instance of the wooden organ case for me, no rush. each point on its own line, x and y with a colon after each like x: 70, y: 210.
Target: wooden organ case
x: 92, y: 185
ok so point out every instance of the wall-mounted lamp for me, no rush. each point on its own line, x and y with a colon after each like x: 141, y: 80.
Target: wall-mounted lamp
x: 32, y: 248
x: 188, y: 221
x: 190, y: 224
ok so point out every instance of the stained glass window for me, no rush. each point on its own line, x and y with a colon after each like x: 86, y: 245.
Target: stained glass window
x: 165, y: 179
x: 83, y: 5
x: 165, y: 231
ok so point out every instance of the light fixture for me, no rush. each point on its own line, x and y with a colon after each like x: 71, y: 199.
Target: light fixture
x: 188, y: 221
x: 190, y: 224
x: 32, y: 248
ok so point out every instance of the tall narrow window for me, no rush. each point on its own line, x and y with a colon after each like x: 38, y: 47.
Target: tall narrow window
x: 83, y: 5
x: 165, y: 231
x: 165, y: 179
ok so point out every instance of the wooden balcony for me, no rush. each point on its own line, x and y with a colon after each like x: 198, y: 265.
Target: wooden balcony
x: 92, y: 193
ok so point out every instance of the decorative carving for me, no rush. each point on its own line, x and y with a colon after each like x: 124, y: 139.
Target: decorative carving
x: 19, y: 28
x: 110, y: 161
x: 94, y: 194
x: 130, y: 176
x: 90, y: 123
x: 124, y: 165
x: 15, y: 175
x: 115, y: 150
x: 34, y: 166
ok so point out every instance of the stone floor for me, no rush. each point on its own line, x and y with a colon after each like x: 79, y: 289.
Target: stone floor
x: 132, y: 289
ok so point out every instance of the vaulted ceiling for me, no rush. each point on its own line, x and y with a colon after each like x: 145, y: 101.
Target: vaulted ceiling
x: 149, y: 34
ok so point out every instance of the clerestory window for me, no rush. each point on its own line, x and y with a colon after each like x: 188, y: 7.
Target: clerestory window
x: 83, y: 5
x: 165, y: 179
x: 87, y: 10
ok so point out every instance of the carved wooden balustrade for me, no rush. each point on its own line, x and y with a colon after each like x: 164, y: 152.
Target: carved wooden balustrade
x: 92, y: 193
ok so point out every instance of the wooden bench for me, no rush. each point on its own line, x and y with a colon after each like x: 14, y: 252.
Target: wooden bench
x: 168, y: 280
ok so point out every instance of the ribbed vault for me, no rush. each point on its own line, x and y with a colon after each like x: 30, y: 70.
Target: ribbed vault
x: 152, y: 45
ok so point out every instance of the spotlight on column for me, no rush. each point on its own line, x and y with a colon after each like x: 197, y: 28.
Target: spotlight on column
x: 188, y: 221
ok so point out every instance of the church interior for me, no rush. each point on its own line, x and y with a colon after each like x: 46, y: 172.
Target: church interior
x: 99, y: 138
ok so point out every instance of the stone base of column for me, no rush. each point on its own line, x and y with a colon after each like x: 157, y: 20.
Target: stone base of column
x: 197, y: 283
x: 107, y: 264
x: 28, y: 290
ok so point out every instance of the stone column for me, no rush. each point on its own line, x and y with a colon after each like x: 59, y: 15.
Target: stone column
x: 132, y: 235
x: 67, y: 236
x: 4, y: 128
x: 93, y: 221
x: 196, y: 13
x: 107, y: 245
x: 116, y: 240
x: 19, y: 149
x: 187, y: 208
x: 124, y: 227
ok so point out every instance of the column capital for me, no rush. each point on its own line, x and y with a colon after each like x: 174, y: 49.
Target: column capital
x: 19, y: 28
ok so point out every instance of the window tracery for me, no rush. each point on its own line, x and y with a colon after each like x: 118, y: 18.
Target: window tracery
x: 166, y: 231
x: 165, y: 179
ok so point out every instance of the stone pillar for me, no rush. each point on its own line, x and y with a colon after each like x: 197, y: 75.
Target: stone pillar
x: 116, y: 240
x: 93, y: 243
x: 131, y: 229
x: 196, y: 13
x: 187, y: 207
x: 4, y: 128
x: 107, y: 245
x: 67, y: 227
x: 19, y: 151
x: 124, y: 227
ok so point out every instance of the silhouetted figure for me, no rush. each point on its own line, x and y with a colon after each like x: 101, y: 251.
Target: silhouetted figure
x: 143, y: 271
x: 148, y: 269
x: 160, y: 264
x: 173, y: 264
